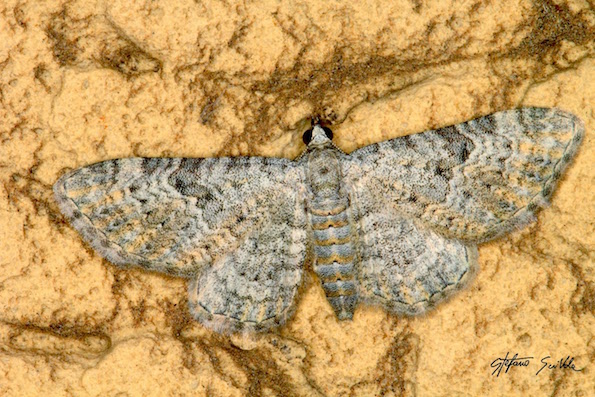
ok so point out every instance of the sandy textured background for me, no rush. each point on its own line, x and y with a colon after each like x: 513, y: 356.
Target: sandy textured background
x: 85, y: 81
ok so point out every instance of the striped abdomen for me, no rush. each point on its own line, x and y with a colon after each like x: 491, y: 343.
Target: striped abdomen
x: 335, y: 256
x: 332, y: 232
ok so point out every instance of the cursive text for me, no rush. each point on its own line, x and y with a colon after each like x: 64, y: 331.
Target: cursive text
x: 566, y: 363
x: 514, y: 361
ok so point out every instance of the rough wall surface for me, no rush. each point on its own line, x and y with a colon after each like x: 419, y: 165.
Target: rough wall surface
x: 84, y: 81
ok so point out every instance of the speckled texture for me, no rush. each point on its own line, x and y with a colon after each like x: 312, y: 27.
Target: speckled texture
x: 82, y: 82
x: 395, y: 223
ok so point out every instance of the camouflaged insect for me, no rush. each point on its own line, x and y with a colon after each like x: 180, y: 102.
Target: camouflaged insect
x: 394, y: 224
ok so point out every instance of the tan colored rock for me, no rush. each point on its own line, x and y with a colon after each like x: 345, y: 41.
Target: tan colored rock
x: 84, y: 81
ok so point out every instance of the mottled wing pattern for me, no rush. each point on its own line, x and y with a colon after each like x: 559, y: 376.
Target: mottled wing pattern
x: 406, y: 268
x: 254, y: 287
x: 473, y: 181
x: 237, y: 226
x: 423, y: 201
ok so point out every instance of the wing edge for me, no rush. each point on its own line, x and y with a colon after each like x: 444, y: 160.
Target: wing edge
x: 100, y: 243
x: 527, y: 214
x: 424, y: 306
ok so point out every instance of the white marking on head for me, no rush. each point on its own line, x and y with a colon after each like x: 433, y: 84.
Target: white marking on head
x: 318, y: 136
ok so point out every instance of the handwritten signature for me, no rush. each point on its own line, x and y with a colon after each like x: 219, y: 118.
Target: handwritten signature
x: 546, y: 363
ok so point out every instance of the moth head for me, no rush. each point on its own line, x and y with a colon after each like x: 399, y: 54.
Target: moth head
x: 318, y: 135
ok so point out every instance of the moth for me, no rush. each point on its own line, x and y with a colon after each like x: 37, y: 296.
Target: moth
x: 394, y: 224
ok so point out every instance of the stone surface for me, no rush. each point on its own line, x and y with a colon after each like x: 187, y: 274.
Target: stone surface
x: 82, y: 82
